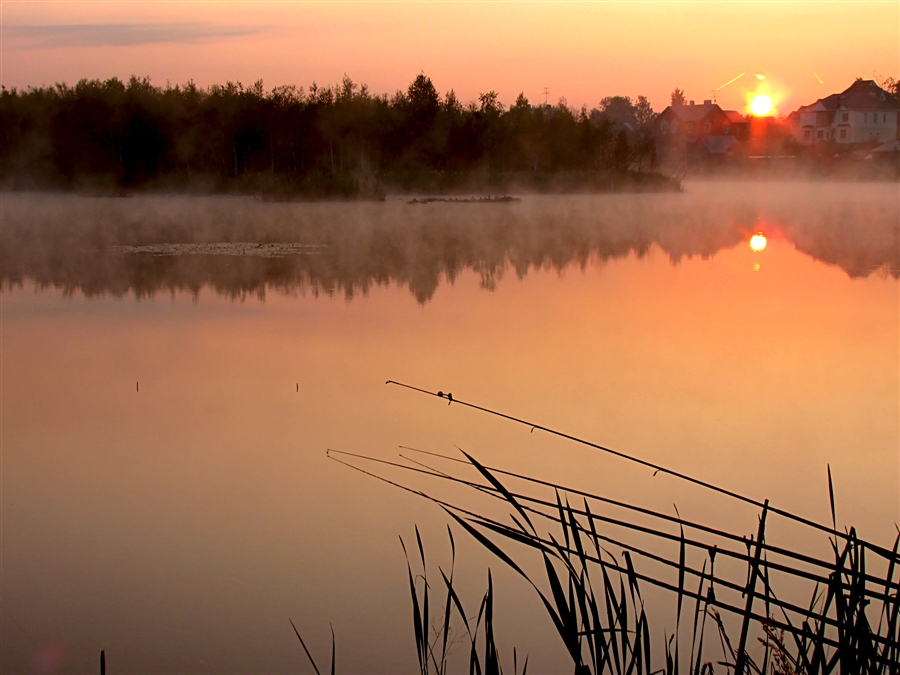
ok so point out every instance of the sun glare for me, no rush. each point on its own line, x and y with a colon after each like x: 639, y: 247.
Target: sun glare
x: 761, y: 105
x: 758, y: 241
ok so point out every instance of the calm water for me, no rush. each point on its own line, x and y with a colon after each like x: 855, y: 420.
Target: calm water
x: 166, y: 494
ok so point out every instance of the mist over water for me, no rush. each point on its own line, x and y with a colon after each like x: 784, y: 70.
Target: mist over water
x: 178, y: 524
x: 239, y: 246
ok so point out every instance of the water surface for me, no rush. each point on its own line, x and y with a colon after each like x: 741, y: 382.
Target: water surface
x: 166, y: 411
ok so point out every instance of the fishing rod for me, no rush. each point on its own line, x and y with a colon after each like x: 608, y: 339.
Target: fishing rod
x: 427, y: 470
x: 656, y: 467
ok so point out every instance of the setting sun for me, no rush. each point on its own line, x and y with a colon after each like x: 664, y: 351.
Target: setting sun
x: 758, y: 241
x: 761, y: 105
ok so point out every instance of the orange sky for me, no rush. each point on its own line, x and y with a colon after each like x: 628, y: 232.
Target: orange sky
x: 580, y: 50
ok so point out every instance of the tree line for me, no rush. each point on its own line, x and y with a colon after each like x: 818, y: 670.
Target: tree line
x: 338, y: 140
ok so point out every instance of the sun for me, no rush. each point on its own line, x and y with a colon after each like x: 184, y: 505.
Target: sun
x: 758, y: 242
x: 761, y: 105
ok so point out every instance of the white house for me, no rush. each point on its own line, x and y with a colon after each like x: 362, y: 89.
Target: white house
x: 863, y: 113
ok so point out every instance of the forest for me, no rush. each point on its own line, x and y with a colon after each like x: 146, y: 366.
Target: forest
x: 338, y: 141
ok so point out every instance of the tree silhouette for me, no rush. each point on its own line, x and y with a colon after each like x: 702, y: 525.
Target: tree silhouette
x: 337, y: 140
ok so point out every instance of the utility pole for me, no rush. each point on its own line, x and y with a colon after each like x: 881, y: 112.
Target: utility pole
x: 546, y: 95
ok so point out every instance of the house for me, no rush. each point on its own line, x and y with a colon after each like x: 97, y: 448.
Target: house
x: 617, y: 121
x: 699, y: 132
x: 863, y: 113
x: 740, y: 125
x: 689, y: 123
x: 718, y: 146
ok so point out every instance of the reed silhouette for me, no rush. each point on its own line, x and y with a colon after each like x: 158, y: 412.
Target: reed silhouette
x: 593, y: 597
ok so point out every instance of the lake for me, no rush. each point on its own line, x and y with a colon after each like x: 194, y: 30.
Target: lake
x: 175, y: 368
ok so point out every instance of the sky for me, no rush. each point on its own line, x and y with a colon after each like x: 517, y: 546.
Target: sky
x: 580, y: 51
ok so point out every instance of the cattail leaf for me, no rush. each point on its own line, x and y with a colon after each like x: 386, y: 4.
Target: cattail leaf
x: 500, y: 487
x: 308, y: 655
x: 487, y: 543
x: 451, y: 593
x: 559, y: 597
x: 562, y: 518
x: 418, y: 628
x: 332, y: 649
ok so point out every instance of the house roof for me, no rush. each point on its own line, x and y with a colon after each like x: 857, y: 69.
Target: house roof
x: 832, y: 102
x: 617, y: 119
x: 694, y: 113
x: 867, y: 100
x: 735, y: 117
x: 861, y: 95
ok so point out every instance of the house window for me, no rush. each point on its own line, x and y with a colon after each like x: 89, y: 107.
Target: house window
x: 674, y: 127
x: 843, y: 133
x: 725, y: 128
x: 806, y: 135
x: 845, y: 117
x: 821, y: 134
x: 663, y: 126
x: 707, y: 127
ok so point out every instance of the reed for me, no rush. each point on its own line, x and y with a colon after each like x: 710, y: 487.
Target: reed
x: 306, y: 650
x: 435, y: 643
x: 593, y: 598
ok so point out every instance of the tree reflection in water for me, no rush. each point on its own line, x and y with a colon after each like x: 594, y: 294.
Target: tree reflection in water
x: 240, y: 247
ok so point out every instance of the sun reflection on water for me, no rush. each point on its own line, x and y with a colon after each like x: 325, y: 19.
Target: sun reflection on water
x: 758, y: 242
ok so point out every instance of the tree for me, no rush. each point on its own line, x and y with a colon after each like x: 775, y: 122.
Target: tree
x: 423, y: 97
x: 621, y: 152
x: 617, y: 106
x: 678, y: 97
x: 643, y: 112
x: 451, y: 103
x: 490, y: 102
x: 891, y: 85
x: 521, y: 103
x: 126, y: 135
x: 415, y: 137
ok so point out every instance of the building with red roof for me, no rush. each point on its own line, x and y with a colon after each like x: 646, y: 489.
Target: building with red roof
x: 701, y: 131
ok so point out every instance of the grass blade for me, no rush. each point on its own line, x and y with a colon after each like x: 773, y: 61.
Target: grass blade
x: 500, y: 487
x: 332, y: 648
x: 308, y: 655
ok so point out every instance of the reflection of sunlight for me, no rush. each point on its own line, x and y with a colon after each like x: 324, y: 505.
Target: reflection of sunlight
x: 758, y: 242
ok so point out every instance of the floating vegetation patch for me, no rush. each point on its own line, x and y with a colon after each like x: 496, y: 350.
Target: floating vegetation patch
x: 224, y: 248
x: 503, y: 199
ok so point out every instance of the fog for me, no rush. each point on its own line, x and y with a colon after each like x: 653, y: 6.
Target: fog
x: 239, y: 246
